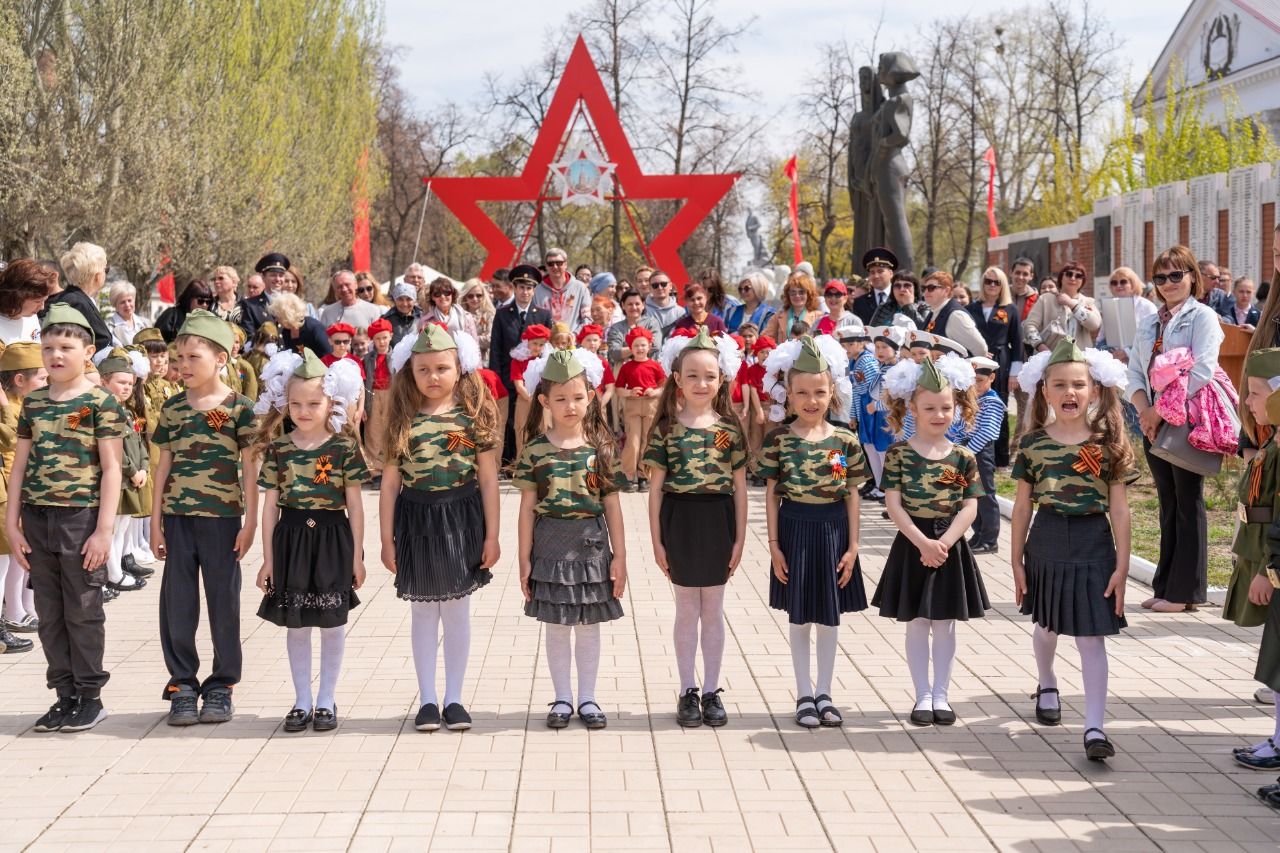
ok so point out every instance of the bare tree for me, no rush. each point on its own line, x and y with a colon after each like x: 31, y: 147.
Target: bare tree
x: 826, y: 106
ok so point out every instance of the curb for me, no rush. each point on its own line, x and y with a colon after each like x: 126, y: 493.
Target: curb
x: 1140, y: 570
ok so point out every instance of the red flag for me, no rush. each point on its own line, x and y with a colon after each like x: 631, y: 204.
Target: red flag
x: 792, y: 171
x: 990, y: 158
x: 360, y: 204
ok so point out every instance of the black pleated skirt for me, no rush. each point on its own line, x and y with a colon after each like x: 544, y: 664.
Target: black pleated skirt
x: 312, y: 554
x: 697, y: 532
x: 1069, y: 560
x: 439, y: 540
x: 569, y: 577
x: 909, y: 589
x: 813, y: 538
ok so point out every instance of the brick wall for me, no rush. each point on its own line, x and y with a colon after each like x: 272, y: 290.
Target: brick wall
x: 1224, y: 238
x: 1268, y: 237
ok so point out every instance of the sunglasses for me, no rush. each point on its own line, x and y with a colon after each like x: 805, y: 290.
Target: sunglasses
x: 363, y: 290
x: 833, y: 294
x: 340, y: 342
x: 1073, y: 274
x: 904, y: 285
x: 555, y: 263
x: 1174, y: 277
x: 659, y: 284
x: 990, y: 282
x: 929, y: 288
x: 204, y: 300
x: 1118, y: 282
x: 470, y: 296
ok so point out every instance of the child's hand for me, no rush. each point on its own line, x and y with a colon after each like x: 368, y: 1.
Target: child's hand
x: 244, y: 540
x: 357, y: 572
x: 871, y: 408
x: 735, y: 557
x: 95, y: 550
x: 779, y: 562
x: 1260, y: 591
x: 660, y: 557
x: 389, y: 556
x: 933, y: 553
x: 1019, y: 582
x: 845, y: 567
x: 157, y: 540
x: 1117, y: 585
x: 526, y: 570
x: 139, y: 479
x: 20, y: 547
x: 618, y: 574
x: 263, y: 583
x: 491, y: 552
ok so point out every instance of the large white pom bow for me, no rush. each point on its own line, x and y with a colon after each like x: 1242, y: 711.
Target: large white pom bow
x: 1033, y: 371
x: 957, y: 371
x: 1105, y: 369
x: 838, y: 365
x: 730, y: 355
x: 273, y: 390
x: 140, y: 363
x: 402, y: 352
x: 900, y: 380
x: 468, y: 352
x: 591, y: 365
x: 780, y: 361
x: 342, y: 385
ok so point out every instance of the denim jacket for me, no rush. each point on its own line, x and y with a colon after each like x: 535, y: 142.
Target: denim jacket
x: 1195, y: 327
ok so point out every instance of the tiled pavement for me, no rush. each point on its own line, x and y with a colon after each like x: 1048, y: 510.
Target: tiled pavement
x: 1179, y: 702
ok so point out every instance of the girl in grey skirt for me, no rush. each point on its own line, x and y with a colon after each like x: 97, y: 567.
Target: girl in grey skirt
x: 572, y: 555
x: 1073, y: 466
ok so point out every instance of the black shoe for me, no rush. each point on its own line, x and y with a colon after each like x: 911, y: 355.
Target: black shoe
x: 57, y: 715
x: 182, y: 707
x: 689, y: 709
x: 988, y: 548
x: 87, y: 714
x: 11, y: 645
x: 922, y: 716
x: 807, y: 713
x: 428, y: 719
x: 592, y: 719
x: 127, y: 583
x: 1047, y: 716
x: 828, y: 713
x: 217, y: 707
x: 325, y: 719
x: 109, y: 594
x: 1098, y: 748
x: 944, y: 717
x: 456, y: 718
x: 297, y: 720
x: 557, y: 719
x: 713, y: 713
x: 130, y: 566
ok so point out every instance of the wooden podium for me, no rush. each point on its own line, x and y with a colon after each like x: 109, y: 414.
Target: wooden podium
x: 1235, y: 346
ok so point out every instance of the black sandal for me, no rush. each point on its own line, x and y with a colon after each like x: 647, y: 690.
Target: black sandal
x: 326, y: 720
x: 830, y: 709
x: 807, y: 716
x: 593, y: 719
x: 297, y: 720
x: 557, y: 719
x: 1047, y: 716
x: 1098, y: 748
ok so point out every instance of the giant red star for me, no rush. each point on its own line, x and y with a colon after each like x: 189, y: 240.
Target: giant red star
x: 581, y: 82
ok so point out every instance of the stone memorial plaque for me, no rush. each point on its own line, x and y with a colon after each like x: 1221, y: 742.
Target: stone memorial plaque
x: 1165, y: 233
x: 1245, y: 222
x: 1132, y: 220
x: 1203, y: 219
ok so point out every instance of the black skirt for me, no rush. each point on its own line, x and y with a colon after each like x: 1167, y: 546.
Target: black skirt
x: 697, y: 532
x: 312, y: 555
x: 439, y: 541
x: 569, y: 577
x: 813, y: 538
x: 1069, y: 560
x: 910, y: 590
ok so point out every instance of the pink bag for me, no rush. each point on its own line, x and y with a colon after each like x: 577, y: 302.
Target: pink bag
x: 1212, y: 411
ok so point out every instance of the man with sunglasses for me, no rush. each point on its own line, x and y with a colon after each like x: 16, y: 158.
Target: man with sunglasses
x: 880, y: 264
x: 1216, y: 294
x: 662, y: 304
x: 949, y: 318
x: 567, y: 298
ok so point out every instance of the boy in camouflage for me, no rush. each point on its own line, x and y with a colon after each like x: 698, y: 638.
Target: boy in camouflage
x: 205, y: 481
x: 65, y: 487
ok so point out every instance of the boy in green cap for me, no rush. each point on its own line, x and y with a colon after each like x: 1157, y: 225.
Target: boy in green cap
x: 204, y: 482
x: 64, y: 491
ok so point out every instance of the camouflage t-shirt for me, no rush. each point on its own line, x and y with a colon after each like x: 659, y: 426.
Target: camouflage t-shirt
x: 63, y: 468
x: 698, y: 460
x: 204, y: 478
x: 312, y: 479
x: 1073, y: 479
x: 931, y: 488
x: 442, y: 452
x: 813, y: 472
x: 566, y: 481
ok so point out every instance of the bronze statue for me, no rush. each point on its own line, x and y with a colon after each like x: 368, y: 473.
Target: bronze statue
x: 868, y: 226
x: 759, y: 257
x: 891, y: 132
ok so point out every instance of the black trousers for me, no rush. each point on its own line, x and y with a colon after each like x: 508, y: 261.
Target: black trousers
x: 1001, y: 453
x: 73, y: 628
x: 1182, y: 574
x: 200, y: 548
x: 986, y: 528
x: 508, y: 454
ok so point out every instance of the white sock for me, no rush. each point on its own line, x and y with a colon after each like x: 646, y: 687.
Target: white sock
x: 425, y: 631
x: 917, y: 644
x: 298, y: 642
x: 456, y: 617
x: 1045, y: 645
x: 826, y: 639
x: 800, y: 659
x: 115, y: 551
x: 10, y: 592
x: 560, y: 659
x: 333, y: 643
x: 1093, y: 670
x: 684, y: 634
x: 1263, y: 749
x: 711, y: 621
x: 133, y: 542
x: 944, y: 657
x: 586, y: 654
x: 875, y: 458
x: 28, y: 595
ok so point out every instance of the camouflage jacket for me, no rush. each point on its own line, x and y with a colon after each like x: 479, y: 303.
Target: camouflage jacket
x: 63, y: 468
x: 204, y: 478
x: 1073, y: 479
x: 931, y: 488
x: 813, y: 472
x: 698, y: 460
x: 312, y: 479
x: 442, y: 452
x: 566, y: 481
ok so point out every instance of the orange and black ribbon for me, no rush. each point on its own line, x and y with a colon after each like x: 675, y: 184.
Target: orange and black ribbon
x: 929, y: 328
x: 1255, y: 479
x: 593, y: 480
x: 216, y: 418
x: 1089, y: 460
x: 952, y: 477
x: 459, y: 439
x: 723, y: 439
x: 74, y: 419
x: 323, y: 466
x: 1001, y: 316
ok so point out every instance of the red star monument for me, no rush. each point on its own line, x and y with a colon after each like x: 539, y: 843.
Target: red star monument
x: 581, y: 82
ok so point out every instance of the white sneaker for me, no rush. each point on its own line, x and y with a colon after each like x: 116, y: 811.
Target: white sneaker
x: 1264, y: 696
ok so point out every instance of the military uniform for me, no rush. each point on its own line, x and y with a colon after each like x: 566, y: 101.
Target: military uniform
x: 1070, y: 554
x: 813, y: 479
x: 1259, y: 495
x: 311, y: 546
x: 697, y: 519
x: 932, y: 492
x: 8, y: 444
x: 134, y: 501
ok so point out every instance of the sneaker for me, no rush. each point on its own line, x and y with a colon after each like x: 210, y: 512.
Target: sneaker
x: 1264, y: 696
x: 988, y: 548
x: 689, y: 709
x: 713, y: 713
x: 11, y: 645
x: 182, y: 707
x: 130, y: 567
x: 26, y: 625
x: 87, y: 714
x: 57, y: 715
x: 456, y: 718
x: 428, y: 719
x: 217, y: 707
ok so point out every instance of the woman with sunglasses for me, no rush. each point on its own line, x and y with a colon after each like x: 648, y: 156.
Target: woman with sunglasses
x: 197, y: 294
x: 754, y: 293
x: 799, y: 304
x: 1067, y: 313
x: 439, y: 307
x: 367, y: 289
x: 476, y: 302
x: 996, y: 316
x: 904, y: 299
x: 1125, y: 284
x: 1182, y: 321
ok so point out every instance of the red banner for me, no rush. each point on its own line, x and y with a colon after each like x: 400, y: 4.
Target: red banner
x: 792, y: 171
x: 360, y: 204
x: 990, y: 158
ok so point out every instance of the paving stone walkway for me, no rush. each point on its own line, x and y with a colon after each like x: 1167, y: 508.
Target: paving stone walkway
x: 1180, y: 699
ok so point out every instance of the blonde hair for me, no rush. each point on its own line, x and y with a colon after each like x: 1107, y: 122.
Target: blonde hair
x: 1106, y: 422
x: 966, y: 404
x: 1006, y: 295
x: 82, y: 262
x: 119, y: 290
x: 470, y: 395
x: 288, y: 309
x: 229, y: 272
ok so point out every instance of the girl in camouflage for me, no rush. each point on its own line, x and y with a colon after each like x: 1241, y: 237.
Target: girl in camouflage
x: 1073, y: 466
x: 122, y: 374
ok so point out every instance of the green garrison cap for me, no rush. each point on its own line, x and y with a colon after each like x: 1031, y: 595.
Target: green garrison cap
x: 311, y: 368
x: 204, y: 324
x: 810, y: 359
x: 931, y: 379
x: 21, y: 355
x: 433, y: 338
x: 117, y: 361
x: 61, y: 313
x: 150, y: 333
x: 1064, y: 351
x: 1273, y: 407
x: 702, y: 340
x: 1263, y: 363
x: 562, y: 365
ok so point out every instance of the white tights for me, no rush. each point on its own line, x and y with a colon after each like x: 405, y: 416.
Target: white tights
x: 333, y: 642
x: 1093, y: 671
x: 699, y: 607
x: 875, y: 458
x: 115, y: 573
x: 933, y: 695
x: 586, y: 648
x: 427, y: 618
x: 13, y: 588
x: 827, y: 640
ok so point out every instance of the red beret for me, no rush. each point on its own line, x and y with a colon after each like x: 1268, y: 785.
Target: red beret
x: 382, y: 324
x: 638, y: 332
x: 685, y: 332
x: 338, y: 328
x: 590, y: 329
x: 536, y: 332
x: 763, y: 342
x: 737, y: 339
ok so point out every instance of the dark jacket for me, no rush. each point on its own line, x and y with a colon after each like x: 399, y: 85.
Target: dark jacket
x: 1003, y: 337
x: 884, y: 315
x: 865, y: 305
x: 401, y: 324
x: 312, y: 335
x: 79, y: 300
x: 253, y: 313
x: 1228, y: 314
x: 507, y: 329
